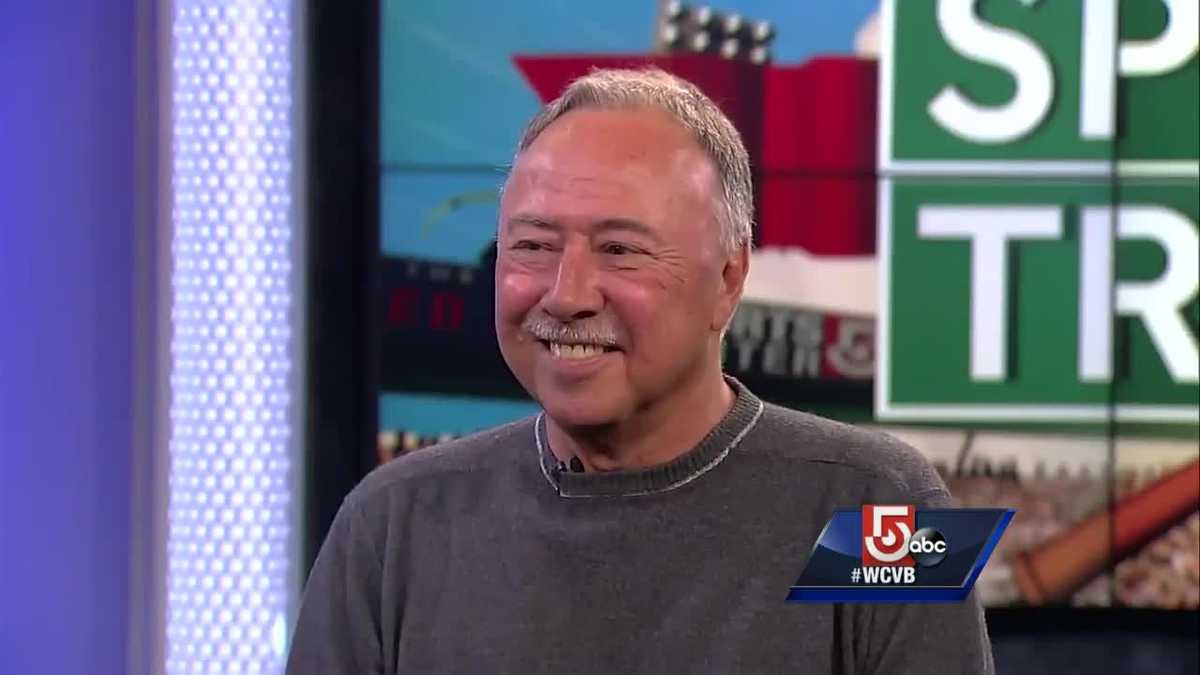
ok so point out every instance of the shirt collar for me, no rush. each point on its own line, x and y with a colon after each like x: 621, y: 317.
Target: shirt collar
x: 701, y: 459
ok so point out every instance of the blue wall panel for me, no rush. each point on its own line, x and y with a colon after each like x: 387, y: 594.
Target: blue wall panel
x: 66, y: 289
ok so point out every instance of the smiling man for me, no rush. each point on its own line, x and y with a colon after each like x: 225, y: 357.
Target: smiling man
x: 618, y: 266
x: 653, y: 517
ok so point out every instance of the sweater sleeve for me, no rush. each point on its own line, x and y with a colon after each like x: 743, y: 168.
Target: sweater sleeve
x: 338, y: 630
x: 918, y: 638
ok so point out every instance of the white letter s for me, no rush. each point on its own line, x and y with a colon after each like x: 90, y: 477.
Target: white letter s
x: 1001, y: 47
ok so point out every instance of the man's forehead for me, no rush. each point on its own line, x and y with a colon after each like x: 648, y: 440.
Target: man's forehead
x: 556, y: 173
x: 596, y: 153
x: 547, y: 199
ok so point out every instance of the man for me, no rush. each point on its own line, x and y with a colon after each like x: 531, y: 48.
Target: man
x: 653, y: 518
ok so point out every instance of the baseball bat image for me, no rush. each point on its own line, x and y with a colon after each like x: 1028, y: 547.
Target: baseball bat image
x: 1062, y: 564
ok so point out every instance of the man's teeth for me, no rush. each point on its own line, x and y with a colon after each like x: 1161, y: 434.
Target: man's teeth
x: 562, y: 351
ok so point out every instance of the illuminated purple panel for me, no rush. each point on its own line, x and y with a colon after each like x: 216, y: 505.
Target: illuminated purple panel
x: 67, y: 244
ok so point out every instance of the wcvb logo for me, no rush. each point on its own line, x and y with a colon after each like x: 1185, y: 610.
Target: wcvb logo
x: 886, y: 534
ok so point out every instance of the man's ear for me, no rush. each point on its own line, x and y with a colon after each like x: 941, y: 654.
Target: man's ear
x: 733, y: 281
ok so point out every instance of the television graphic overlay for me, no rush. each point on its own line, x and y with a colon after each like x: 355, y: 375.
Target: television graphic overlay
x: 897, y: 553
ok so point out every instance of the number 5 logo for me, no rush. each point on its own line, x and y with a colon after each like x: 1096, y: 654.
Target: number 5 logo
x: 886, y: 531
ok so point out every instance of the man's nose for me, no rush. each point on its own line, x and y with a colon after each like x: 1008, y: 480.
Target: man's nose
x: 574, y: 294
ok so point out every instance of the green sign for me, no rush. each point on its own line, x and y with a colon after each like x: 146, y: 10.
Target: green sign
x: 1024, y: 87
x: 1039, y: 247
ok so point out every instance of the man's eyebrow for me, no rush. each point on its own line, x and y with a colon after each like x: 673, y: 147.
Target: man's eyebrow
x: 533, y: 221
x: 627, y: 225
x: 604, y: 225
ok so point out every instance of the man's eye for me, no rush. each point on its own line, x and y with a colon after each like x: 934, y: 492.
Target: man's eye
x: 617, y: 249
x: 529, y: 245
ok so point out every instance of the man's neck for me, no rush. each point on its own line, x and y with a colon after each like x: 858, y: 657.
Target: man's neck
x: 652, y: 436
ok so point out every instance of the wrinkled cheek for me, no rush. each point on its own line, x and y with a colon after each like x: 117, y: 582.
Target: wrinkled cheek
x: 664, y: 333
x: 516, y: 295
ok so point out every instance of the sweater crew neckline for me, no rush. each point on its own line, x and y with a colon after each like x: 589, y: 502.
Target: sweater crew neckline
x: 706, y: 455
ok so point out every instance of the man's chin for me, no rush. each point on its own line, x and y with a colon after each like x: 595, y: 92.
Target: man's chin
x: 580, y: 412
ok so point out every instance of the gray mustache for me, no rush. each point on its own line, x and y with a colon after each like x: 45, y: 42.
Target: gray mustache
x: 588, y: 331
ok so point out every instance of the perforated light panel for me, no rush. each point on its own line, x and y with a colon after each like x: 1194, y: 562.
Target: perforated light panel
x: 230, y: 514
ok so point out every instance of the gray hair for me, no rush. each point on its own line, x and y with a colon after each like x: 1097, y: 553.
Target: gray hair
x: 625, y: 89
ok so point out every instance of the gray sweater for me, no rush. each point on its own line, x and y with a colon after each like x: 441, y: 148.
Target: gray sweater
x: 483, y: 556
